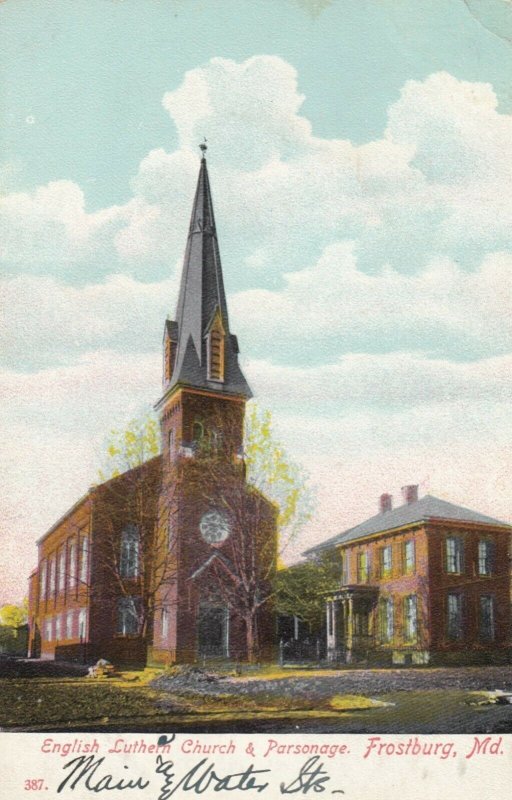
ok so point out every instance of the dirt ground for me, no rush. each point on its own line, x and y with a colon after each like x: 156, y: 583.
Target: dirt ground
x: 49, y: 696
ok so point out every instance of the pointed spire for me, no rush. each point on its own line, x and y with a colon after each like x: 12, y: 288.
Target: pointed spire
x: 202, y: 304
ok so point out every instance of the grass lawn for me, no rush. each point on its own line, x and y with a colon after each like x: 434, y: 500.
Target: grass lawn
x: 128, y: 701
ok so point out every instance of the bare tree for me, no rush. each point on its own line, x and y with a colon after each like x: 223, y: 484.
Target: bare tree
x: 133, y: 547
x: 266, y: 500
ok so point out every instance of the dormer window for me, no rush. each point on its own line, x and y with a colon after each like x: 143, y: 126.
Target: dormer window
x: 215, y: 349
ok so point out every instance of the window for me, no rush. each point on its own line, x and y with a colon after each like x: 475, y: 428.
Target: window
x: 72, y: 565
x: 454, y: 616
x: 345, y: 568
x: 486, y: 623
x: 485, y: 556
x: 172, y: 443
x: 84, y: 559
x: 409, y: 556
x: 48, y: 629
x: 385, y: 561
x: 82, y: 623
x: 386, y: 619
x: 69, y: 625
x: 165, y: 623
x: 42, y: 581
x: 127, y: 616
x: 52, y: 575
x: 454, y: 554
x: 129, y: 559
x: 362, y: 567
x: 58, y: 628
x: 197, y: 432
x: 62, y: 570
x: 410, y: 618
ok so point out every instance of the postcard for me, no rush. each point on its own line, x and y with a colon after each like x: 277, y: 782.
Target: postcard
x: 256, y: 282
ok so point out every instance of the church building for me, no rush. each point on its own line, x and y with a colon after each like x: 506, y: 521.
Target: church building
x: 171, y: 561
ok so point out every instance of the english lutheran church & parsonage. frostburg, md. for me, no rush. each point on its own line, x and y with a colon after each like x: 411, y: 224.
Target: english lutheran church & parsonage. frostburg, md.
x: 173, y: 561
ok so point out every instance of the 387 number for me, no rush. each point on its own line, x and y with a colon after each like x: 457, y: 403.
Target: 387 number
x: 34, y: 784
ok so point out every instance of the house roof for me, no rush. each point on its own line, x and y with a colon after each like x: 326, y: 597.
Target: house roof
x: 201, y: 297
x: 428, y: 508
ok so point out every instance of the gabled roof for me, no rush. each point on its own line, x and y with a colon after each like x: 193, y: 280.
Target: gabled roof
x: 426, y: 509
x: 201, y: 297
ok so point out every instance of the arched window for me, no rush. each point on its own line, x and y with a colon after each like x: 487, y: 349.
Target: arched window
x: 129, y: 559
x: 172, y: 443
x: 197, y: 432
x: 128, y: 622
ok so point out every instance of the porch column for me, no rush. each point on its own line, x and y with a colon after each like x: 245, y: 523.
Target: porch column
x: 350, y: 629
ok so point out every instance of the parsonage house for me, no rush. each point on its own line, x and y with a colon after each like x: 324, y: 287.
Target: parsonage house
x: 171, y: 561
x: 426, y: 582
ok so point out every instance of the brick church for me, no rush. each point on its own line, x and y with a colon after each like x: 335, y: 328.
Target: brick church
x: 171, y: 561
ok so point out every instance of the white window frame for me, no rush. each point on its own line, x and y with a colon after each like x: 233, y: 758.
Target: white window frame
x: 72, y: 571
x: 411, y: 618
x: 43, y: 589
x: 455, y: 616
x: 487, y: 617
x: 485, y: 556
x: 69, y: 624
x: 82, y: 624
x: 454, y: 555
x: 53, y: 568
x: 61, y: 578
x: 129, y: 555
x: 409, y: 557
x: 84, y: 559
x: 127, y: 617
x: 386, y: 561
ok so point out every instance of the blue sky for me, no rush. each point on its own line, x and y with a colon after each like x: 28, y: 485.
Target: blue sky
x: 360, y: 161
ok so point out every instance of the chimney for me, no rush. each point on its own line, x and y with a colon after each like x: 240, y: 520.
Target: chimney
x: 410, y: 493
x: 385, y: 503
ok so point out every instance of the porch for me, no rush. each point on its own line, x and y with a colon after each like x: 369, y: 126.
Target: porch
x: 351, y: 623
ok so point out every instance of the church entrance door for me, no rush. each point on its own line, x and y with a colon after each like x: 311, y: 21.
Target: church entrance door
x: 212, y: 630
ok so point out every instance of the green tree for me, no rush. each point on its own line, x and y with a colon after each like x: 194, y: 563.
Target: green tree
x: 279, y: 479
x: 132, y: 446
x: 300, y: 588
x: 14, y: 615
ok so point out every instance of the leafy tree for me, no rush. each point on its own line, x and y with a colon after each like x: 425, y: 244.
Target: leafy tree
x: 131, y: 447
x: 272, y: 473
x: 14, y: 615
x: 300, y: 588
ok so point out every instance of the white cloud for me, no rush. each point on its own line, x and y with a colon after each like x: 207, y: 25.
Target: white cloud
x: 47, y: 322
x: 360, y: 272
x: 441, y: 309
x: 250, y: 110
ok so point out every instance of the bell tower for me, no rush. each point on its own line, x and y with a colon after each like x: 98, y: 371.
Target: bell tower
x: 204, y: 389
x: 201, y: 416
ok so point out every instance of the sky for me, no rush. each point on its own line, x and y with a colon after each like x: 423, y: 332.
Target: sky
x: 360, y: 158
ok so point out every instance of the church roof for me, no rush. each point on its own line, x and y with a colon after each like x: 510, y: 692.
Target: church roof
x: 427, y: 509
x: 201, y: 298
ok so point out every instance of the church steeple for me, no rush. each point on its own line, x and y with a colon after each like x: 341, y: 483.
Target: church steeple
x: 200, y: 351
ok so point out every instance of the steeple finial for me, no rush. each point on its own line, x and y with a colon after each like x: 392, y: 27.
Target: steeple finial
x: 203, y: 147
